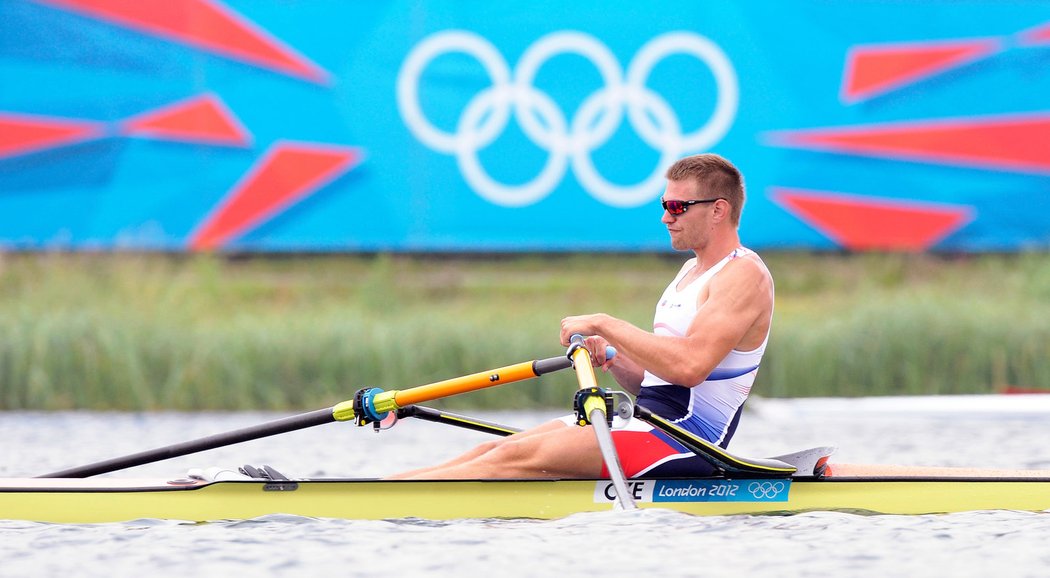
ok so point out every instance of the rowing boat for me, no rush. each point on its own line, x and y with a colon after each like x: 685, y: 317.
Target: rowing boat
x: 798, y: 482
x: 92, y: 500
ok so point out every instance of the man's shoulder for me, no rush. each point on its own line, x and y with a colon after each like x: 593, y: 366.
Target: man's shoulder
x: 747, y: 272
x: 749, y: 263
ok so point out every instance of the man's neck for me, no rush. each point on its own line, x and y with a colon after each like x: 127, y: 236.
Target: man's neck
x: 714, y: 252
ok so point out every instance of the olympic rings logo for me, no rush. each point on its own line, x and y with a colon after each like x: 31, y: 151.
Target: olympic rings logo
x: 766, y: 490
x: 598, y: 117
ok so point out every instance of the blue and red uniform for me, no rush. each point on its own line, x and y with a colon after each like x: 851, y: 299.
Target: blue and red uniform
x: 710, y: 409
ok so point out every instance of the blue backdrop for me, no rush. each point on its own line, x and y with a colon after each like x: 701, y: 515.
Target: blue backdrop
x: 266, y: 125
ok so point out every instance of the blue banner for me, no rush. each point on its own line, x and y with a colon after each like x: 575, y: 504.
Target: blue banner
x: 264, y: 125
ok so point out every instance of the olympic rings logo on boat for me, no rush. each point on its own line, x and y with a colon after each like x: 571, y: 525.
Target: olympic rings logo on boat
x: 542, y: 121
x: 765, y: 490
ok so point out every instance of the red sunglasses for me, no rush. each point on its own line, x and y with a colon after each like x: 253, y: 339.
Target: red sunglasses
x: 680, y: 207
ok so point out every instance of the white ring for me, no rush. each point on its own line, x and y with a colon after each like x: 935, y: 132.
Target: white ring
x: 412, y: 71
x: 725, y: 80
x: 493, y: 190
x: 598, y: 118
x: 632, y: 195
x: 539, y: 53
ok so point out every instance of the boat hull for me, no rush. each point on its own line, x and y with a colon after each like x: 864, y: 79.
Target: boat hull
x: 108, y: 500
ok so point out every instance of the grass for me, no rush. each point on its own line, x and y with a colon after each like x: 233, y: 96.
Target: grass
x: 142, y: 332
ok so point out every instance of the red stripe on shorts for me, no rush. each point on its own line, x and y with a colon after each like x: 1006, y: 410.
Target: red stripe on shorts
x: 638, y: 451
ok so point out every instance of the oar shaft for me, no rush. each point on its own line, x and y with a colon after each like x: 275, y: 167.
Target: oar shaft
x: 292, y: 423
x: 397, y: 399
x: 344, y: 411
x: 458, y: 385
x: 595, y: 409
x: 581, y: 359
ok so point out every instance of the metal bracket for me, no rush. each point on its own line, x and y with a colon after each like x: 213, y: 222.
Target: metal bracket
x: 584, y: 398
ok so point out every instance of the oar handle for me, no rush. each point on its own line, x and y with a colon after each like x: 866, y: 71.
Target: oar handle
x: 576, y: 342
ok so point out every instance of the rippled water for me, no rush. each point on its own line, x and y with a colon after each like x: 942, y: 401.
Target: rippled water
x: 613, y: 543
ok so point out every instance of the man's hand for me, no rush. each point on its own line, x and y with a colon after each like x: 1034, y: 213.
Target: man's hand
x: 583, y: 324
x: 587, y: 325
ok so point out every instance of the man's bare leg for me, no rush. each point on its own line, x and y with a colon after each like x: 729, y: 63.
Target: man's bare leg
x: 553, y: 450
x: 478, y: 450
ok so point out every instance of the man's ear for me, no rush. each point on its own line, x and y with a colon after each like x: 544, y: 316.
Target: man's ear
x: 721, y: 210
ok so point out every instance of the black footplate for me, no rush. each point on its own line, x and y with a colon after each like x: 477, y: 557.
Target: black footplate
x: 263, y: 472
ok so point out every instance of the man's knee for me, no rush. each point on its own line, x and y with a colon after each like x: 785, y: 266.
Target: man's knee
x: 509, y: 452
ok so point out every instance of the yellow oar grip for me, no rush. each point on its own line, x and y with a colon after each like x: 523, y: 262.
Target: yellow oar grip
x: 343, y: 411
x: 384, y: 402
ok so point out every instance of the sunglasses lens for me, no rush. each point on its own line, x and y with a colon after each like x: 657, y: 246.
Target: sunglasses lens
x: 674, y: 207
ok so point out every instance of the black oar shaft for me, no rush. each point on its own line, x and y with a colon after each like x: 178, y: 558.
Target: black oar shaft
x: 284, y: 425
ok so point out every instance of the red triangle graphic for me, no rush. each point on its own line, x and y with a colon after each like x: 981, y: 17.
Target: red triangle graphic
x: 22, y: 134
x: 1016, y: 143
x: 199, y: 119
x: 873, y: 70
x: 205, y: 24
x: 870, y: 224
x: 1035, y: 36
x: 288, y: 173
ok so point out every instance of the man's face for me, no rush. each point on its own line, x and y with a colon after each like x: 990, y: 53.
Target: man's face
x: 688, y: 230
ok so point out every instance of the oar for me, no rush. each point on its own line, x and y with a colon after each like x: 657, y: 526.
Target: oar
x: 595, y: 409
x: 368, y: 406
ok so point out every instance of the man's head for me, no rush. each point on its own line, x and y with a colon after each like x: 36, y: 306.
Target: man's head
x: 715, y: 178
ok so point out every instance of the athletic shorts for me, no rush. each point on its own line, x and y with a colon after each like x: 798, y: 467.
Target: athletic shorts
x: 647, y: 452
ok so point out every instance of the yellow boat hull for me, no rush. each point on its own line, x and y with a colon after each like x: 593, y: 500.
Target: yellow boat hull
x: 112, y: 500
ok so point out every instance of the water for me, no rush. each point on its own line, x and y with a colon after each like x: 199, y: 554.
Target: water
x: 614, y: 543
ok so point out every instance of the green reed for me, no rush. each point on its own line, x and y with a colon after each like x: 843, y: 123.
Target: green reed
x: 140, y: 332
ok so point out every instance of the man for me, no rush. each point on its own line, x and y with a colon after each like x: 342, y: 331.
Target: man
x: 697, y: 366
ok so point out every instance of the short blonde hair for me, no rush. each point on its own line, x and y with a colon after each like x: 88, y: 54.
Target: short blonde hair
x: 715, y: 177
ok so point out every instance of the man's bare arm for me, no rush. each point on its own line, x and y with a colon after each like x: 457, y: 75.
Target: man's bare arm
x: 738, y: 298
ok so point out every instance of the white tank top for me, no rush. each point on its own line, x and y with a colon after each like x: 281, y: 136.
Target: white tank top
x: 714, y: 402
